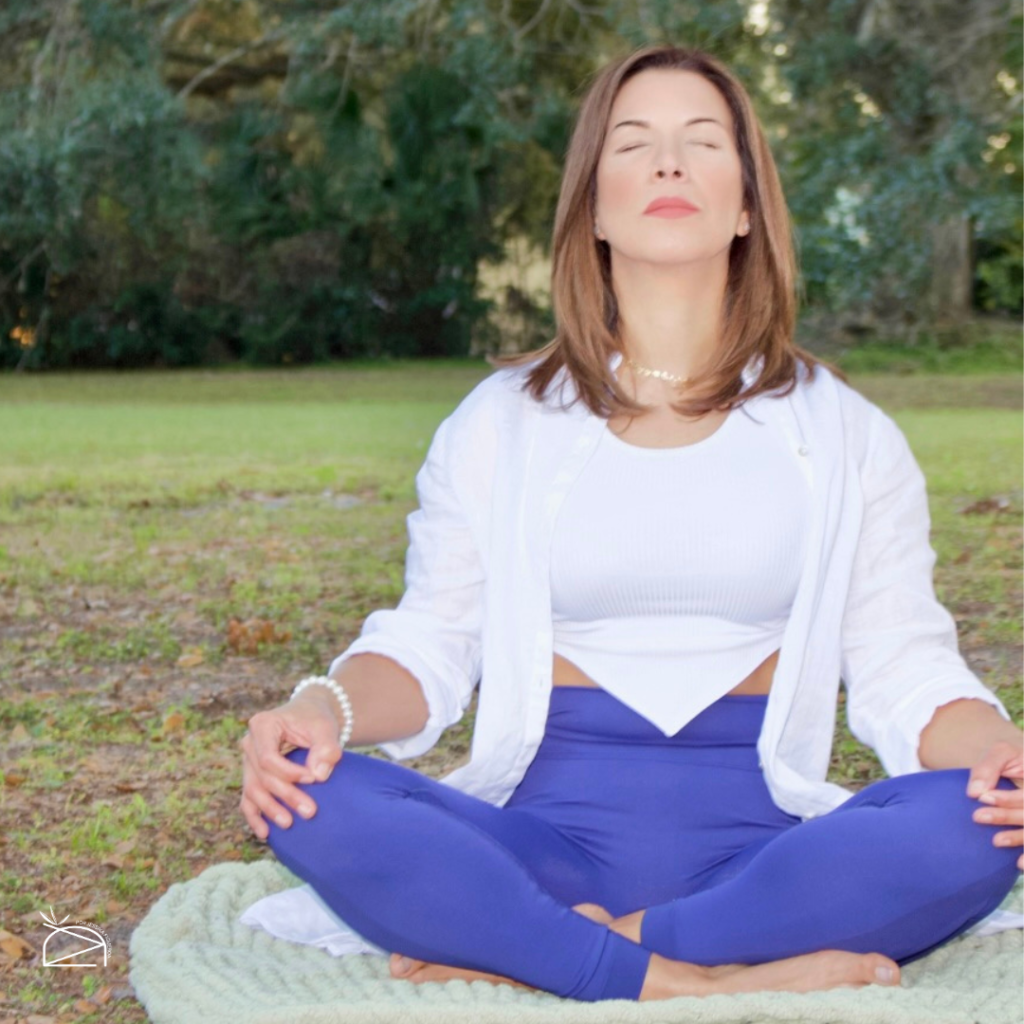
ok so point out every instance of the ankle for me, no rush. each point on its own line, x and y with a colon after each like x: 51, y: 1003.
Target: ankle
x: 666, y: 979
x: 628, y: 926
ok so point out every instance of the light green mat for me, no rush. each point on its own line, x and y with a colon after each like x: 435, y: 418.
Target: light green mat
x: 192, y: 962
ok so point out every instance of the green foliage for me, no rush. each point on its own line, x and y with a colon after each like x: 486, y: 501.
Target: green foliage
x: 895, y: 130
x: 290, y: 181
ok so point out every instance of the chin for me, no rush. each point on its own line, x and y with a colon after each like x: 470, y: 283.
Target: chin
x: 665, y: 256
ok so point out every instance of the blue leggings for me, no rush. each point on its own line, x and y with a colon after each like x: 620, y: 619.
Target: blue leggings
x: 613, y: 812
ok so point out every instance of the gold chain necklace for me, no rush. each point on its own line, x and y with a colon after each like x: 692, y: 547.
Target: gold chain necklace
x: 660, y: 374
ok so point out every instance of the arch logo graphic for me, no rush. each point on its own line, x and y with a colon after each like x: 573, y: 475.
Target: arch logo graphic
x: 94, y: 938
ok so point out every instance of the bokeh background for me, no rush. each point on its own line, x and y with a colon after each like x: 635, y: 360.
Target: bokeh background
x: 191, y: 182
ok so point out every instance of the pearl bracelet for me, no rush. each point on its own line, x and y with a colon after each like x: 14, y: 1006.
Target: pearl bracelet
x: 336, y: 689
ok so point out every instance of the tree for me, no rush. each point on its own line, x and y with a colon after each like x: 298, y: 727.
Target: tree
x: 915, y: 121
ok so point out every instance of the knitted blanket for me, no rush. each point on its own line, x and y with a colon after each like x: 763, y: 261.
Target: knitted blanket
x: 193, y: 960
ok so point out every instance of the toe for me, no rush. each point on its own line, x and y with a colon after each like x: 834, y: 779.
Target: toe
x: 402, y: 966
x: 882, y: 970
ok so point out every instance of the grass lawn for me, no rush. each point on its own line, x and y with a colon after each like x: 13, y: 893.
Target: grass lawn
x: 177, y: 549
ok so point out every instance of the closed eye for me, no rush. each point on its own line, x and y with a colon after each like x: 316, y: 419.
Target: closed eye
x: 710, y: 145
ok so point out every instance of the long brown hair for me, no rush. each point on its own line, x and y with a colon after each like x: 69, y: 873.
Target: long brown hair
x: 760, y: 303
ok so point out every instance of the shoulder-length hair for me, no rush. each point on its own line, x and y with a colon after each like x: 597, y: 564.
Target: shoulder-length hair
x: 760, y: 301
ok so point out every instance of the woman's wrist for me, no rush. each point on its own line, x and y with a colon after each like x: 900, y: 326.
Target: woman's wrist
x: 329, y: 694
x: 961, y: 732
x: 321, y: 698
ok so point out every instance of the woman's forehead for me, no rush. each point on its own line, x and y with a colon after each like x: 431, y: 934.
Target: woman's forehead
x: 668, y: 96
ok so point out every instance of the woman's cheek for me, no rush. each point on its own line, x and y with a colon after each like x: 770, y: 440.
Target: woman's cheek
x: 616, y: 194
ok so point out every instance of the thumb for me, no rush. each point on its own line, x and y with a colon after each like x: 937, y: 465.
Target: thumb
x: 324, y: 753
x: 985, y: 774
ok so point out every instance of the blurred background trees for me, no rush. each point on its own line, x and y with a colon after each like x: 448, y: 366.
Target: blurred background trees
x: 283, y: 181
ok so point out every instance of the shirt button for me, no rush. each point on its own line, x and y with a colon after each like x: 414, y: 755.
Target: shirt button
x: 803, y: 450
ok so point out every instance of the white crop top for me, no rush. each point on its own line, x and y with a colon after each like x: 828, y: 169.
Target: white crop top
x: 673, y: 570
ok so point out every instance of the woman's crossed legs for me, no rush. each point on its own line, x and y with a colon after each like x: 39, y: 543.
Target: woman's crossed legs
x: 612, y: 812
x: 420, y: 868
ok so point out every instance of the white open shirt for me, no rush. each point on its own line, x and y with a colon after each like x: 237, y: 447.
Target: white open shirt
x: 477, y: 604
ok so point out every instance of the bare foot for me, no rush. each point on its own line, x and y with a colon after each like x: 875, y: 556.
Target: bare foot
x: 667, y: 979
x: 410, y: 969
x: 418, y: 971
x: 812, y: 972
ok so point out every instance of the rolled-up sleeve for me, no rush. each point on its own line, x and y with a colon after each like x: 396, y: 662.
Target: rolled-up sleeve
x: 900, y: 657
x: 435, y: 632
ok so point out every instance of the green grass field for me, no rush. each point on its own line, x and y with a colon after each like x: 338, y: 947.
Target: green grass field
x: 177, y: 549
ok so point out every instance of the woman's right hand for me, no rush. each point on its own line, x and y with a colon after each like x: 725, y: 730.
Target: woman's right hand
x: 268, y: 778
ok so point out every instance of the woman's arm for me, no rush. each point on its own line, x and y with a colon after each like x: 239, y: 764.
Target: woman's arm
x: 962, y: 732
x: 435, y: 632
x: 387, y: 700
x: 901, y: 661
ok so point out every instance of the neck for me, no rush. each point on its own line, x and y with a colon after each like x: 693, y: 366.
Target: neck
x: 670, y: 320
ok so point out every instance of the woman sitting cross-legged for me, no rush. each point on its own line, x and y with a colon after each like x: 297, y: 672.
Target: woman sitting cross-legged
x: 657, y: 546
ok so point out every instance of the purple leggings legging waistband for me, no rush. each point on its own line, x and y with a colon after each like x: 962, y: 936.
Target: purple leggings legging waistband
x: 613, y: 812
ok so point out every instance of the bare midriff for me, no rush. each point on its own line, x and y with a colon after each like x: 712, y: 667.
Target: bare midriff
x: 565, y: 673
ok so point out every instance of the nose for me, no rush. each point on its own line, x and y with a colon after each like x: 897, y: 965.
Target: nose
x: 668, y: 168
x: 667, y: 164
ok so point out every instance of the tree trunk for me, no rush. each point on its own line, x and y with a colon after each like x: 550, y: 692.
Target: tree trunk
x: 953, y: 269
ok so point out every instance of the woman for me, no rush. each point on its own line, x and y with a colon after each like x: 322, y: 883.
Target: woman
x: 657, y: 585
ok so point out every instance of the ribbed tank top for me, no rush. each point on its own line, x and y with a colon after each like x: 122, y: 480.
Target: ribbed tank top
x: 673, y: 570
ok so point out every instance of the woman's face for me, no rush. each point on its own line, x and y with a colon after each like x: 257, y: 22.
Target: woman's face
x: 676, y: 152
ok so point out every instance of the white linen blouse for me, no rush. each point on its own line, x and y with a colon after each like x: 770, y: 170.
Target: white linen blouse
x: 477, y: 605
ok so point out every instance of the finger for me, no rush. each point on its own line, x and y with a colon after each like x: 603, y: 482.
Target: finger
x: 257, y: 805
x: 274, y: 763
x: 984, y: 776
x: 1003, y: 797
x: 1014, y: 838
x: 262, y: 788
x: 987, y: 817
x: 990, y: 817
x: 253, y: 819
x: 322, y: 758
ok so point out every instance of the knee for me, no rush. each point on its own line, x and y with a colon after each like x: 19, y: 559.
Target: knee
x: 337, y: 814
x: 961, y: 845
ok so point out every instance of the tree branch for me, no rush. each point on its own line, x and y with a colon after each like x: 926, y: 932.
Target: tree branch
x: 229, y: 58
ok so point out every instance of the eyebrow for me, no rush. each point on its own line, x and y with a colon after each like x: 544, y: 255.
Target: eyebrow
x: 646, y: 124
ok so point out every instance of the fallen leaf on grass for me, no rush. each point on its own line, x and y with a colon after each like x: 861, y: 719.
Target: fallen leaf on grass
x: 129, y: 787
x: 102, y: 996
x: 174, y: 724
x: 19, y: 734
x: 14, y: 947
x: 191, y: 658
x: 996, y: 503
x: 246, y: 637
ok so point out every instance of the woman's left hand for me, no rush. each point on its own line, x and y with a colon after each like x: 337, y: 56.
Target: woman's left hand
x: 1000, y: 806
